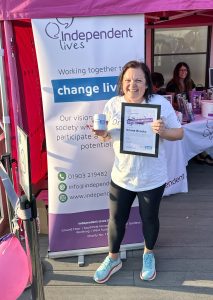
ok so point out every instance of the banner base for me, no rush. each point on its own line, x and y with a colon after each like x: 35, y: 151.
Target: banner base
x: 81, y: 252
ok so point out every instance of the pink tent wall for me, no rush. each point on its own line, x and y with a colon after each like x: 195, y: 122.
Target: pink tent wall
x: 30, y: 109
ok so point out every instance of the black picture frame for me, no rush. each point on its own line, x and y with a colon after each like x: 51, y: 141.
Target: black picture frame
x: 135, y: 124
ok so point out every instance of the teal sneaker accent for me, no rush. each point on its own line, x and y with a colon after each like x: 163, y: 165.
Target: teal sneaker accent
x: 108, y: 267
x: 148, y: 271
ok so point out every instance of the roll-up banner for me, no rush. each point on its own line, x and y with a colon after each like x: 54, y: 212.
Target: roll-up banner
x: 79, y: 61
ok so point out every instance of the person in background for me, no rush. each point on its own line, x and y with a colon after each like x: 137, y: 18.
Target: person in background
x: 157, y: 83
x: 136, y: 175
x: 182, y: 83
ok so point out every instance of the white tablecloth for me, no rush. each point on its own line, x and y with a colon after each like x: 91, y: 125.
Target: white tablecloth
x: 198, y: 136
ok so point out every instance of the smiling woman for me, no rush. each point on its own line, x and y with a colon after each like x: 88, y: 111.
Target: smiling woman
x: 181, y: 82
x: 136, y: 175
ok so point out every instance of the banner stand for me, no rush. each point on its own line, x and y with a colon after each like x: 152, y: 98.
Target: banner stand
x: 74, y: 88
x: 82, y: 252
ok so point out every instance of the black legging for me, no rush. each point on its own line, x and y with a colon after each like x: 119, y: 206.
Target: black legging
x: 121, y: 201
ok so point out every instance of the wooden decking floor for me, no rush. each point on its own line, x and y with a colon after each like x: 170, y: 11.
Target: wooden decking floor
x: 184, y: 255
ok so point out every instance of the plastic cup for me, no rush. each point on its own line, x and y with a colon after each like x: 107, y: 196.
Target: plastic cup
x: 99, y: 122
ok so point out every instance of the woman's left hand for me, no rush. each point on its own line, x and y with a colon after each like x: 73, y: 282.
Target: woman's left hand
x: 158, y: 126
x: 170, y: 134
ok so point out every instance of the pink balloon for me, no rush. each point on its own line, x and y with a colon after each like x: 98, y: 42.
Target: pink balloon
x: 14, y: 268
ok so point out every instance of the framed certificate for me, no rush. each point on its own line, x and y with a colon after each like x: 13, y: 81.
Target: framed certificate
x: 137, y: 136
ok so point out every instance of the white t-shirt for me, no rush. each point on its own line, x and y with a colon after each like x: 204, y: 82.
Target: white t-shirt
x: 136, y: 172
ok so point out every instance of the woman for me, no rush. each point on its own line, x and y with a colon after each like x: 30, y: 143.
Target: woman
x: 181, y: 81
x: 136, y: 175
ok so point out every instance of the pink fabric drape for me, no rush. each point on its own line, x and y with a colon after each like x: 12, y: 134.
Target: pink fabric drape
x: 31, y: 103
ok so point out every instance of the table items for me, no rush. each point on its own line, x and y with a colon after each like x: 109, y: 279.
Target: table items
x: 210, y: 93
x: 207, y: 109
x: 182, y: 107
x: 179, y: 116
x: 195, y: 98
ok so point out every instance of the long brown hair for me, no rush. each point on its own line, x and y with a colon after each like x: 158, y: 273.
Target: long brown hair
x: 187, y: 81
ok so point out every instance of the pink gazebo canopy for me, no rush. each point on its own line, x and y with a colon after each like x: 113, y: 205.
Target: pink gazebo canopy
x: 29, y: 9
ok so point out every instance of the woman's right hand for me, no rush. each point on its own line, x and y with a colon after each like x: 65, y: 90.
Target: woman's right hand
x: 101, y: 133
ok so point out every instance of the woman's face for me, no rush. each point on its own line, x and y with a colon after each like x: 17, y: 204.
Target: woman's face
x: 182, y: 72
x: 134, y: 85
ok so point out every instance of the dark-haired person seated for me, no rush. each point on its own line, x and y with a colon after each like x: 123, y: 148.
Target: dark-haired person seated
x: 181, y: 81
x: 157, y: 83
